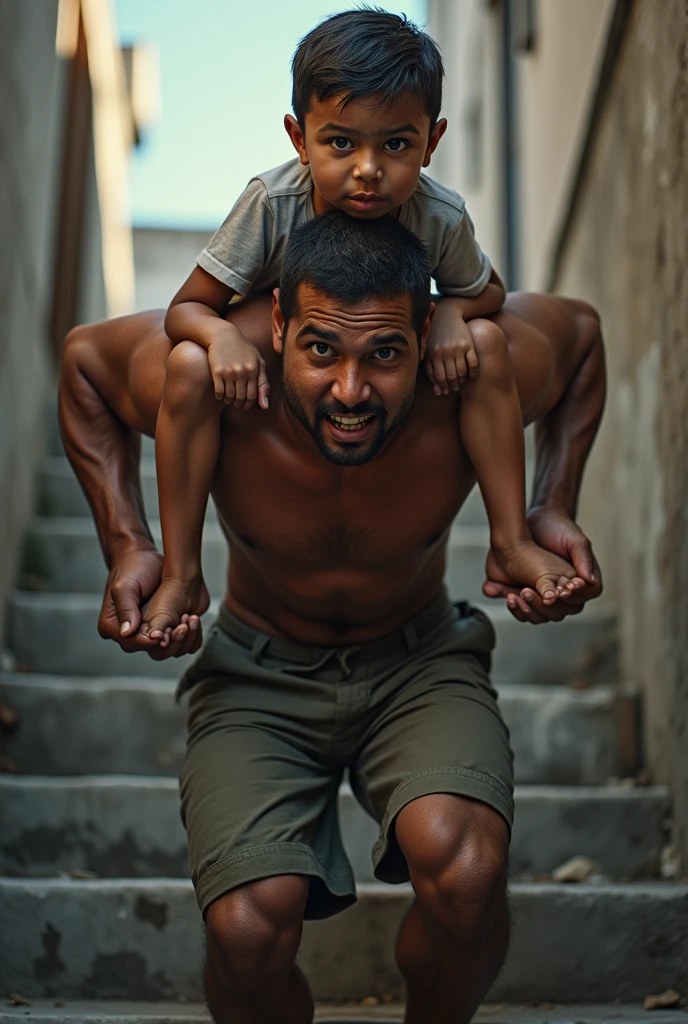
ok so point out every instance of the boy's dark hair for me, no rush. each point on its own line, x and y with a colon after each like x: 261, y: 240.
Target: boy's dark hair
x: 364, y: 53
x: 353, y: 260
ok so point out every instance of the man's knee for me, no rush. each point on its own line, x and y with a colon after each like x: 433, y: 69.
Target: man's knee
x: 457, y: 851
x: 254, y: 931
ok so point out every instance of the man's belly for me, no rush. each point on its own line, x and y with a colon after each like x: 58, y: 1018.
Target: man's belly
x: 337, y: 605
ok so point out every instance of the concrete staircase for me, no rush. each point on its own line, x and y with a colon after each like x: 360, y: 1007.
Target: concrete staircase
x: 95, y: 904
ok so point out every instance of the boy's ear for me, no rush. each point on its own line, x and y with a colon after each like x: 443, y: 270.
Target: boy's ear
x: 435, y: 136
x: 298, y: 139
x: 277, y: 323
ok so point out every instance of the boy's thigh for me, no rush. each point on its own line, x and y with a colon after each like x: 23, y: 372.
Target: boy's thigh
x: 442, y: 732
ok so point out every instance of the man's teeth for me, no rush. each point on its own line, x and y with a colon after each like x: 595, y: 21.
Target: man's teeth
x: 350, y: 422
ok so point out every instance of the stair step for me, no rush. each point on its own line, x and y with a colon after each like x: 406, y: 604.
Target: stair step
x: 132, y: 726
x: 142, y: 940
x: 51, y: 632
x: 59, y: 494
x: 124, y: 826
x: 127, y: 1012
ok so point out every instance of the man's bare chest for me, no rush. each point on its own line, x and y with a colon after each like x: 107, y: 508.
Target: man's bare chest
x: 296, y: 509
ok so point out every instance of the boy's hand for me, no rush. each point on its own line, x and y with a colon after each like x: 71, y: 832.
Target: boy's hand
x: 450, y: 358
x: 238, y: 371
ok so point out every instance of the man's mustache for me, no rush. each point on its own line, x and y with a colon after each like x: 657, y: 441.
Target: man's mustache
x: 335, y: 408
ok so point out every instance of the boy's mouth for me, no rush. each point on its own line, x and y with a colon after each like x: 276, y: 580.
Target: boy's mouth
x: 366, y: 200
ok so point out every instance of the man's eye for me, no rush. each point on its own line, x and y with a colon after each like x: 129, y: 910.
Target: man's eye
x: 321, y: 348
x: 385, y: 353
x: 341, y: 143
x: 396, y: 145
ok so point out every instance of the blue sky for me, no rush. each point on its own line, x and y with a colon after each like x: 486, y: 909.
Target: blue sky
x: 225, y: 85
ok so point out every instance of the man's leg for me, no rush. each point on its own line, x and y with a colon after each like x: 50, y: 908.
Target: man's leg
x: 253, y: 938
x: 454, y: 939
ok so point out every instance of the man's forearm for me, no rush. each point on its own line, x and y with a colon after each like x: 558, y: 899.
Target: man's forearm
x: 565, y: 435
x: 104, y: 454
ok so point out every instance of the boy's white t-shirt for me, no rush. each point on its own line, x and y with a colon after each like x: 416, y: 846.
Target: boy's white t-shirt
x: 245, y: 253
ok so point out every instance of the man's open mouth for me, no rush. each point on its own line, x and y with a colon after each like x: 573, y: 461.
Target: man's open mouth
x: 354, y: 427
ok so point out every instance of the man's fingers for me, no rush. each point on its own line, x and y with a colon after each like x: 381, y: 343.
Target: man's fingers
x: 127, y: 610
x: 263, y: 386
x: 583, y: 560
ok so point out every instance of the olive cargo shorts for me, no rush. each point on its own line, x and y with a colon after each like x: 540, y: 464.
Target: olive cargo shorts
x: 273, y: 724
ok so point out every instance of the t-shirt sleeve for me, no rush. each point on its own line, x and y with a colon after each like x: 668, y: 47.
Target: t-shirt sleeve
x: 464, y: 269
x: 240, y: 248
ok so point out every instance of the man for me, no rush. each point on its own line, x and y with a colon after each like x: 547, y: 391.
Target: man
x: 336, y: 646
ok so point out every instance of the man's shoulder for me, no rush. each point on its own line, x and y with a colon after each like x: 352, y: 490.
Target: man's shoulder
x: 432, y: 199
x: 289, y: 179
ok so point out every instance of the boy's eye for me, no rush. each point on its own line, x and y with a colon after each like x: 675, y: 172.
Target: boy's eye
x: 321, y: 348
x: 341, y: 143
x: 396, y: 145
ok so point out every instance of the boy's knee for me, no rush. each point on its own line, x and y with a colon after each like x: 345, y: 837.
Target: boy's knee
x: 187, y: 372
x: 489, y: 339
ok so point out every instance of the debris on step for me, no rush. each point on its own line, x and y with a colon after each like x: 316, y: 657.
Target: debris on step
x: 9, y: 718
x: 16, y: 999
x: 663, y: 1000
x: 370, y: 1001
x: 577, y: 869
x: 669, y: 862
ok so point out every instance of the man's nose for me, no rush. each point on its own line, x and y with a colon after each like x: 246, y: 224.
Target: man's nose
x: 367, y: 165
x: 349, y: 386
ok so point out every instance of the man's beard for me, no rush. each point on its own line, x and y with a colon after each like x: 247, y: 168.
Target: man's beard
x: 342, y: 454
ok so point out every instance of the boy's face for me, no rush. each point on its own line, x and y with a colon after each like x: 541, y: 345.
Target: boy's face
x: 365, y: 159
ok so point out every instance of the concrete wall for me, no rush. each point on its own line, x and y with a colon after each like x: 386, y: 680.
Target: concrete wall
x: 554, y: 84
x: 469, y: 157
x: 163, y: 259
x: 627, y: 252
x: 31, y: 84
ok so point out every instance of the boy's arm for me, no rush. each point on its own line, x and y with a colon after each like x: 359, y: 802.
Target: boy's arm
x: 196, y: 313
x: 489, y: 301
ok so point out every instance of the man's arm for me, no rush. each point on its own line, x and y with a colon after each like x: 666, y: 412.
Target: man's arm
x: 564, y: 437
x: 104, y: 453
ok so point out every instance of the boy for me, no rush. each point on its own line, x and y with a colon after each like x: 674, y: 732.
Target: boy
x: 366, y: 97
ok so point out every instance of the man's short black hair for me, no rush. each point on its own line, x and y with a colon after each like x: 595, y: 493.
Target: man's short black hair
x: 353, y: 260
x: 364, y: 53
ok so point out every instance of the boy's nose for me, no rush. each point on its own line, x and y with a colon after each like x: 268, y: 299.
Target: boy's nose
x: 349, y: 386
x: 367, y: 167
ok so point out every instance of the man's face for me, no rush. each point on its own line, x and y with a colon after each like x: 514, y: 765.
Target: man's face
x: 365, y: 158
x: 349, y: 373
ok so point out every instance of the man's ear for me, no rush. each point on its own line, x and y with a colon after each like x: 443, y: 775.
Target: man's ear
x: 435, y: 136
x: 277, y: 323
x: 423, y: 340
x: 297, y: 136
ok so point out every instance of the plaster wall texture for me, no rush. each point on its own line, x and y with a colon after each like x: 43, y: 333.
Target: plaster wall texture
x: 627, y: 253
x: 31, y: 84
x: 469, y: 157
x: 555, y: 84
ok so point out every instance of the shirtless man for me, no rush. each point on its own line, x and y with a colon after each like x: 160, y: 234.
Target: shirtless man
x: 337, y: 641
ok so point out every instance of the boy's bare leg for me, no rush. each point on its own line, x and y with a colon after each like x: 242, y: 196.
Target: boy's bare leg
x: 491, y: 425
x: 187, y: 447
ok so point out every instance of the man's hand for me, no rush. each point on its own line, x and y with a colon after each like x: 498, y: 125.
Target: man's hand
x: 134, y: 576
x: 556, y: 532
x: 238, y: 371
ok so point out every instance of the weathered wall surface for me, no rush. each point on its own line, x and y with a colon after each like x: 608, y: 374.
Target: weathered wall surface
x: 31, y: 80
x: 627, y: 252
